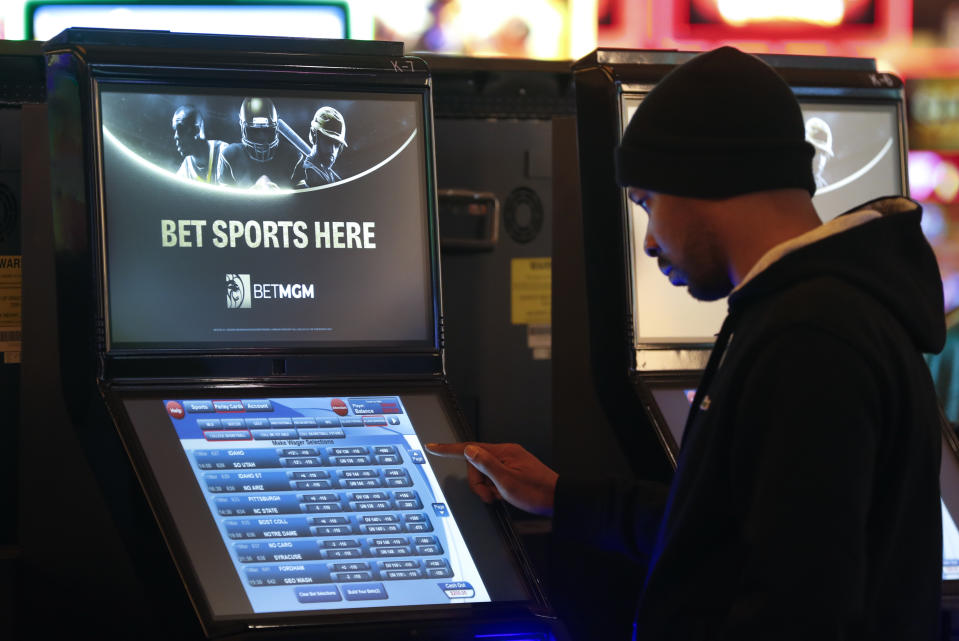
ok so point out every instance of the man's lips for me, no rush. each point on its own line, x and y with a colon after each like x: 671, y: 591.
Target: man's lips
x: 671, y: 273
x: 665, y: 266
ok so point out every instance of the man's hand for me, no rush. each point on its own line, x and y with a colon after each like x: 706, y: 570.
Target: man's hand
x: 505, y: 471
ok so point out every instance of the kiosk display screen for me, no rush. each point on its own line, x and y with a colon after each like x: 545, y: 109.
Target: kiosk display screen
x: 858, y: 155
x: 302, y: 504
x: 858, y: 158
x: 950, y: 546
x: 949, y: 486
x: 257, y: 219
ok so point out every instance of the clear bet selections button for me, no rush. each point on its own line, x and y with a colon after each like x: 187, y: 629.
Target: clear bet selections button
x: 323, y: 594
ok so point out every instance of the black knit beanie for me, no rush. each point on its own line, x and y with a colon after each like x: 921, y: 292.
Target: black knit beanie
x: 720, y: 125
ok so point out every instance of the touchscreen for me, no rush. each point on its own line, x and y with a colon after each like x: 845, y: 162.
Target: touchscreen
x: 323, y: 503
x: 857, y: 158
x: 253, y: 218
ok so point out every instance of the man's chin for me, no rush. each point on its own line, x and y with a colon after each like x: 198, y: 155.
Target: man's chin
x: 708, y: 294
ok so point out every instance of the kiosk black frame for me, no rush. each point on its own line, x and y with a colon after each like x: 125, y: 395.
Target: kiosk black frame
x: 22, y: 98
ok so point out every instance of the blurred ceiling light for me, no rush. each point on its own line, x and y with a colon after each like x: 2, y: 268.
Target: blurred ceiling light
x: 922, y: 173
x: 828, y: 13
x: 933, y: 222
x: 947, y: 181
x: 933, y: 176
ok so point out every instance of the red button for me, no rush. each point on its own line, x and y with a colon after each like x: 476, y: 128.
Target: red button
x: 175, y: 410
x: 339, y: 407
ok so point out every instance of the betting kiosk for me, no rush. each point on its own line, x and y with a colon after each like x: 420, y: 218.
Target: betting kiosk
x: 494, y: 123
x: 247, y: 247
x: 648, y: 341
x: 22, y: 94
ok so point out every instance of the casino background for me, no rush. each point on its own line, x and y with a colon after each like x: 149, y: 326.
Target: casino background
x: 917, y: 40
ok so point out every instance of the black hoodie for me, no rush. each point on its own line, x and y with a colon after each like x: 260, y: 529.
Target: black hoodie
x: 806, y: 499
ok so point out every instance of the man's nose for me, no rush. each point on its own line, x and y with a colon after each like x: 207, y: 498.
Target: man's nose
x: 650, y: 247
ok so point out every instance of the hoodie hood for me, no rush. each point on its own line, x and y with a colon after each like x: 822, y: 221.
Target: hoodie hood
x: 889, y: 258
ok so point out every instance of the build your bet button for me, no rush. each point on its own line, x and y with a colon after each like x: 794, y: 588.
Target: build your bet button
x: 365, y: 592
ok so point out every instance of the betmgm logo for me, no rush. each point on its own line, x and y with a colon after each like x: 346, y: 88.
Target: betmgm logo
x: 240, y: 292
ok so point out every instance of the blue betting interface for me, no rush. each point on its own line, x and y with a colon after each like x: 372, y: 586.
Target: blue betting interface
x: 326, y: 503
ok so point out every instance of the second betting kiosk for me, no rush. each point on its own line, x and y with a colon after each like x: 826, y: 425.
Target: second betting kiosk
x: 247, y: 241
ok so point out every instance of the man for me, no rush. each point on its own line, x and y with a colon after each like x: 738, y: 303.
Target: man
x: 258, y: 161
x: 805, y: 503
x: 328, y: 137
x: 200, y: 156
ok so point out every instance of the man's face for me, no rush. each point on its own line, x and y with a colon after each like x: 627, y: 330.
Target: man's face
x: 327, y: 150
x: 184, y: 134
x: 680, y: 235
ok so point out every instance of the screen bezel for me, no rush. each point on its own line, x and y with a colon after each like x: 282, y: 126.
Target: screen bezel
x: 32, y: 7
x: 115, y: 396
x: 950, y: 462
x: 244, y: 80
x: 651, y: 356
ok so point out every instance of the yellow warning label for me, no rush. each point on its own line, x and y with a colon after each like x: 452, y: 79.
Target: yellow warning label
x: 531, y: 287
x: 11, y: 270
x: 11, y: 278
